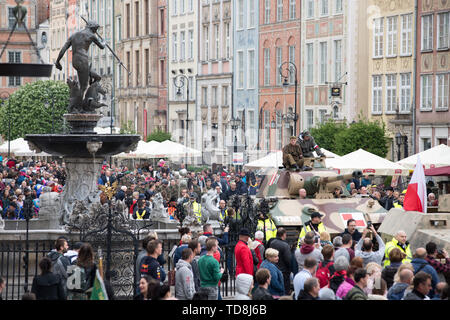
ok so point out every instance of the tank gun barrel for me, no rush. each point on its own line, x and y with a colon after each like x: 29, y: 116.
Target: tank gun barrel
x: 325, y: 180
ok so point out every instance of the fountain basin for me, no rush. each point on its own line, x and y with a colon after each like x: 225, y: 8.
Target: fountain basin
x: 82, y: 145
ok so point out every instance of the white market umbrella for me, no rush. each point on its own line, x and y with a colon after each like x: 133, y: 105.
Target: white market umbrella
x: 168, y: 149
x: 15, y: 144
x: 368, y: 163
x: 438, y: 156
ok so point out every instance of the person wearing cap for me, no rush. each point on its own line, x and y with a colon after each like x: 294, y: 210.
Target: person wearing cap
x: 292, y: 155
x: 315, y: 225
x: 243, y: 254
x: 388, y: 200
x: 308, y: 145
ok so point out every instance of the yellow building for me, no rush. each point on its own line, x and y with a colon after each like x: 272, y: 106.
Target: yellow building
x: 390, y: 29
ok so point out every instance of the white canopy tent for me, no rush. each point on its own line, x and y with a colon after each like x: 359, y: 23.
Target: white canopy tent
x: 19, y: 147
x: 143, y: 150
x: 435, y: 157
x: 275, y: 160
x: 368, y: 163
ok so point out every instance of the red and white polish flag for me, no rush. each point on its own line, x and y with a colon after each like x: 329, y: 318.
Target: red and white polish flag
x: 416, y: 194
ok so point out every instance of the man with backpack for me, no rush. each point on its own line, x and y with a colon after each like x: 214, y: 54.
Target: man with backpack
x: 60, y: 262
x: 326, y: 268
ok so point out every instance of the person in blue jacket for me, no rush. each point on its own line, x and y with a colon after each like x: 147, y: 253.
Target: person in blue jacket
x: 276, y: 286
x: 420, y: 264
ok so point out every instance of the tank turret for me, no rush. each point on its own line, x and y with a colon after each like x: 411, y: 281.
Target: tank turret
x: 319, y: 187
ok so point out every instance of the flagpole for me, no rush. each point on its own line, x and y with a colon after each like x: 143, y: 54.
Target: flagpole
x: 100, y: 261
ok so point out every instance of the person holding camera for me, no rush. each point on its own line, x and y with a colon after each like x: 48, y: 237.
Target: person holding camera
x: 315, y: 225
x: 432, y: 258
x: 364, y: 247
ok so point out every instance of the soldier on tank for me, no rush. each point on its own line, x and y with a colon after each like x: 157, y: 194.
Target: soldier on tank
x: 308, y: 145
x: 292, y: 155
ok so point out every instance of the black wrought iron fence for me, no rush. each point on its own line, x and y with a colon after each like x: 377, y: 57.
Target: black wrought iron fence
x: 123, y: 265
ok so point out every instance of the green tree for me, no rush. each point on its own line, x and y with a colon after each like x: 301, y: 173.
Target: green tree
x: 159, y: 135
x: 364, y: 134
x: 127, y: 128
x: 325, y: 134
x: 34, y: 109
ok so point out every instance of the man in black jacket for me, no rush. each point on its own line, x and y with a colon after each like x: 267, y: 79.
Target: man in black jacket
x: 284, y: 254
x: 388, y: 201
x: 351, y: 230
x: 262, y: 277
x: 310, y: 290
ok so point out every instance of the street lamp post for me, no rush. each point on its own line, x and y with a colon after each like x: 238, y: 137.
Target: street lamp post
x: 288, y: 65
x: 398, y: 142
x: 235, y: 123
x: 180, y: 81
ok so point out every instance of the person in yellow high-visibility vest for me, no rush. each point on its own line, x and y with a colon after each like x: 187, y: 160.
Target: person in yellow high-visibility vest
x: 315, y: 225
x: 267, y: 226
x: 399, y: 241
x: 196, y: 207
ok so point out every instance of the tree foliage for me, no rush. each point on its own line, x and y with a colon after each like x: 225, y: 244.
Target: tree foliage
x: 127, y: 128
x: 343, y: 139
x: 159, y: 135
x: 31, y: 109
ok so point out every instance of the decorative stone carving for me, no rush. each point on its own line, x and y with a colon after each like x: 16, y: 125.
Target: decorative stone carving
x: 158, y: 211
x: 210, y: 210
x: 93, y: 146
x: 81, y: 184
x: 2, y: 223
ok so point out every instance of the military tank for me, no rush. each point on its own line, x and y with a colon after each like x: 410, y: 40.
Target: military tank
x: 280, y: 188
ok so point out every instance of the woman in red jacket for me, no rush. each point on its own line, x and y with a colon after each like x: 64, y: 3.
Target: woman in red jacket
x: 244, y: 257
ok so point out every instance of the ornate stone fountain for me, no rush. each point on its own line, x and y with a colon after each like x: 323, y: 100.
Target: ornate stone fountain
x: 82, y: 149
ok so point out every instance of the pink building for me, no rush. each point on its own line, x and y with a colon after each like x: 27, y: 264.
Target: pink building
x: 279, y: 44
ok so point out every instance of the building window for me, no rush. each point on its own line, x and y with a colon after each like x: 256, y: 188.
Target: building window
x: 324, y: 6
x: 310, y: 9
x: 138, y: 68
x: 278, y: 129
x: 322, y: 115
x: 182, y: 46
x: 175, y: 7
x: 266, y: 66
x: 225, y: 95
x: 251, y: 69
x: 191, y: 88
x: 191, y: 5
x: 147, y: 70
x: 161, y: 21
x: 217, y: 39
x: 426, y: 83
x: 240, y: 70
x: 191, y: 44
x: 267, y: 11
x: 323, y: 62
x: 427, y: 32
x: 309, y: 119
x: 267, y: 129
x: 182, y: 9
x: 279, y: 10
x: 310, y: 63
x: 206, y: 35
x: 214, y: 96
x: 127, y: 9
x: 443, y: 30
x: 278, y: 58
x: 14, y: 57
x: 240, y: 22
x: 377, y: 88
x: 405, y: 92
x: 338, y: 7
x: 426, y: 143
x: 136, y: 17
x: 406, y: 35
x: 251, y: 13
x: 292, y: 13
x: 251, y: 124
x: 442, y: 90
x: 391, y: 92
x: 162, y: 72
x: 337, y: 59
x: 378, y: 38
x: 174, y: 47
x: 204, y: 96
x: 146, y: 18
x: 291, y: 67
x: 391, y: 36
x: 227, y: 40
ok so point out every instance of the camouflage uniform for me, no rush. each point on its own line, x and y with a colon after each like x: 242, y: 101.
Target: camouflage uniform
x: 197, y: 190
x: 292, y: 154
x: 173, y: 191
x: 308, y: 146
